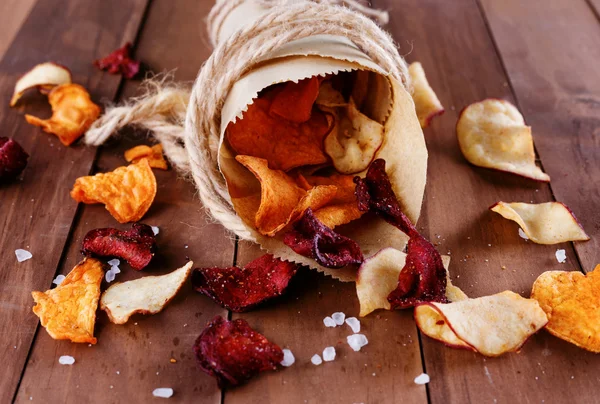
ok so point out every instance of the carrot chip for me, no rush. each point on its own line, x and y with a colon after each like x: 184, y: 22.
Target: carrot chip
x: 427, y: 104
x: 295, y: 100
x: 154, y: 155
x: 44, y: 77
x: 69, y: 310
x: 543, y: 223
x: 127, y: 192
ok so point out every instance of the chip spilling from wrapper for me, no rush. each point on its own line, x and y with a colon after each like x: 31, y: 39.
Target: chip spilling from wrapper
x: 44, y: 77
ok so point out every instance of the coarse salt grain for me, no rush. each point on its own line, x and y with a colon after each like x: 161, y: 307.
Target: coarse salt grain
x: 163, y: 392
x: 561, y: 256
x: 288, y: 358
x: 114, y: 262
x: 328, y: 321
x: 22, y: 255
x: 155, y: 230
x: 338, y: 317
x: 354, y: 323
x: 329, y: 354
x: 357, y: 341
x: 423, y: 378
x: 316, y: 359
x: 111, y: 273
x: 522, y: 234
x: 58, y: 280
x: 66, y: 360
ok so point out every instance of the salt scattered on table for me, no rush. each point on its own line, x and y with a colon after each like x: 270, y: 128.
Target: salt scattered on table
x: 155, y: 230
x: 58, y: 280
x: 288, y: 358
x: 354, y: 323
x: 163, y: 392
x: 423, y: 378
x: 522, y: 234
x: 22, y: 255
x: 338, y: 317
x: 329, y: 322
x: 357, y: 341
x: 316, y: 359
x: 66, y: 360
x: 561, y: 256
x: 329, y: 354
x: 114, y: 262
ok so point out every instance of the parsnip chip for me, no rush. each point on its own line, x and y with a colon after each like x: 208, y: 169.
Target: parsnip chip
x: 543, y: 223
x: 72, y: 113
x: 127, y: 192
x: 344, y: 207
x: 378, y: 277
x: 147, y: 295
x: 154, y: 155
x: 492, y: 134
x: 572, y: 303
x: 427, y: 104
x: 490, y: 325
x: 69, y: 310
x: 44, y: 76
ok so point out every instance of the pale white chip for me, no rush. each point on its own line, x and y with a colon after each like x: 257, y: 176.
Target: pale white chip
x: 522, y: 234
x: 338, y: 317
x: 58, y: 280
x: 155, y: 230
x: 147, y: 295
x: 22, y: 255
x: 114, y: 262
x: 561, y: 256
x: 357, y: 341
x: 44, y: 76
x: 66, y: 360
x: 427, y: 104
x: 329, y: 354
x: 163, y: 392
x: 353, y: 323
x: 423, y: 378
x: 316, y: 359
x: 329, y: 322
x: 288, y: 358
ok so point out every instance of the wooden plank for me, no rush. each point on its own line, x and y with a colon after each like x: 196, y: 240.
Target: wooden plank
x: 131, y: 360
x: 37, y: 211
x: 12, y: 15
x: 560, y: 40
x: 451, y: 40
x: 595, y: 4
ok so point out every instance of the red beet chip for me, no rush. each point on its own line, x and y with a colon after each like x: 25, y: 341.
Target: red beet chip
x: 233, y: 352
x: 311, y: 238
x: 136, y: 246
x: 240, y: 289
x: 13, y: 159
x: 423, y: 278
x: 120, y: 62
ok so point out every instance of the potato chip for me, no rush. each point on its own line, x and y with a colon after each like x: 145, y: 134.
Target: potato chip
x: 294, y: 102
x: 147, y: 295
x: 490, y: 325
x: 154, y: 155
x: 543, y: 223
x: 329, y: 96
x: 73, y: 112
x: 572, y: 303
x: 427, y: 104
x: 492, y: 134
x: 44, y: 76
x: 127, y: 192
x: 69, y: 310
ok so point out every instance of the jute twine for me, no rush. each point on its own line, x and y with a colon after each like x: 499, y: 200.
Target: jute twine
x: 192, y: 144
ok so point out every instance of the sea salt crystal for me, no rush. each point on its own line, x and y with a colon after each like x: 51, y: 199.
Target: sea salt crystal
x: 58, y: 280
x: 114, y: 262
x: 357, y: 341
x: 329, y: 354
x: 22, y: 255
x: 155, y: 230
x: 163, y: 392
x: 288, y: 358
x: 316, y: 359
x: 522, y: 234
x: 66, y: 360
x: 111, y: 273
x: 354, y: 323
x: 423, y: 378
x: 338, y: 317
x: 561, y: 256
x: 328, y: 321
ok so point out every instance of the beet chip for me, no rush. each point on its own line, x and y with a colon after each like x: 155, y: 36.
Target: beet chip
x: 233, y: 352
x: 136, y: 246
x: 311, y: 238
x: 423, y: 278
x: 13, y: 159
x: 120, y: 62
x: 240, y: 289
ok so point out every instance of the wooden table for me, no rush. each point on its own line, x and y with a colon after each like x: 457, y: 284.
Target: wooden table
x: 540, y: 54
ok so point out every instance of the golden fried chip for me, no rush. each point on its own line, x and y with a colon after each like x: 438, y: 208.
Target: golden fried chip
x: 344, y: 207
x: 572, y: 302
x: 127, y: 192
x: 543, y: 223
x: 427, y: 104
x: 69, y: 310
x: 154, y: 155
x: 492, y: 134
x: 44, y: 76
x: 147, y: 295
x: 490, y: 325
x: 73, y: 112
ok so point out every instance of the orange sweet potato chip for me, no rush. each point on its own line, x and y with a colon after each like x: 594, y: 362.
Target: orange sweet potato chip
x: 69, y: 310
x: 294, y: 102
x: 72, y: 113
x: 426, y: 101
x: 154, y: 155
x: 570, y: 299
x: 127, y: 192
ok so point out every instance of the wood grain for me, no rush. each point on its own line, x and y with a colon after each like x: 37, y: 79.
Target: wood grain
x: 131, y: 360
x: 12, y: 15
x: 37, y: 211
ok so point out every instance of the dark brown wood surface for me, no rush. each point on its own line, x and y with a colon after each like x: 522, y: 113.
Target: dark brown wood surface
x: 542, y: 55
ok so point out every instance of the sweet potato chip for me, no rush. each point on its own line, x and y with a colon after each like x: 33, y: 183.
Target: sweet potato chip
x: 572, y: 303
x: 492, y: 134
x: 147, y: 295
x: 44, y: 76
x: 427, y: 104
x: 543, y: 223
x: 127, y: 192
x: 232, y: 352
x: 13, y: 159
x: 285, y: 145
x: 73, y: 112
x: 240, y: 289
x: 294, y: 102
x: 69, y: 310
x: 120, y: 62
x: 154, y: 155
x: 490, y: 325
